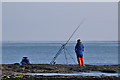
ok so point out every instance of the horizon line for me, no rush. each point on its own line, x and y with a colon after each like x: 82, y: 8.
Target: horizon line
x: 59, y: 41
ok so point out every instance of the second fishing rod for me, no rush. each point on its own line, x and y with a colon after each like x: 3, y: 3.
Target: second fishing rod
x: 63, y: 46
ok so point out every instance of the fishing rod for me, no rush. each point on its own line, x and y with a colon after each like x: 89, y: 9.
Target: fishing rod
x: 62, y: 47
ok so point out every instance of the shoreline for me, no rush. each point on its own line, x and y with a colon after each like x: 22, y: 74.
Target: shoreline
x: 9, y: 71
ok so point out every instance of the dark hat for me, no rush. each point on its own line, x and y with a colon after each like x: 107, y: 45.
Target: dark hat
x: 78, y: 40
x: 25, y: 57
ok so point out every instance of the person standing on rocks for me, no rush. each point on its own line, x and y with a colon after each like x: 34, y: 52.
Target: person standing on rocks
x: 79, y: 48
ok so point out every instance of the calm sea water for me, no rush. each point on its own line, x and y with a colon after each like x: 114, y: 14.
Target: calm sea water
x: 96, y: 53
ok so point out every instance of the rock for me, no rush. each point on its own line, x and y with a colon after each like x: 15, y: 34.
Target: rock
x: 16, y: 64
x: 108, y: 71
x: 71, y: 68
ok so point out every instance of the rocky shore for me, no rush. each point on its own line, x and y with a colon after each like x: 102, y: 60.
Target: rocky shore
x: 9, y: 71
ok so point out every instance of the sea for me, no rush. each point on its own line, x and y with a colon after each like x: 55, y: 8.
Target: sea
x: 42, y: 52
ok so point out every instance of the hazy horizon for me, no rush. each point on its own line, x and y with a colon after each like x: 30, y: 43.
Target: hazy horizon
x: 59, y: 41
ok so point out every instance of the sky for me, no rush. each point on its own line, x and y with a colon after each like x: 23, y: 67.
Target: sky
x: 56, y: 21
x: 60, y: 0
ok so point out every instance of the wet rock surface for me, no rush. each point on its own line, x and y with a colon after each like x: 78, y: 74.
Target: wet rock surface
x: 9, y: 70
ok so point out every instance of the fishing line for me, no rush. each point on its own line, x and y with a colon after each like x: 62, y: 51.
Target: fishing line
x: 65, y: 57
x: 63, y: 46
x: 71, y: 56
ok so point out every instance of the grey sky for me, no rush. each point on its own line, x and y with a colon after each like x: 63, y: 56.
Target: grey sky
x: 60, y: 0
x: 56, y: 21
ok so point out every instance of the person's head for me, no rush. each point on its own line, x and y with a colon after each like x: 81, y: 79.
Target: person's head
x: 24, y: 57
x: 78, y: 40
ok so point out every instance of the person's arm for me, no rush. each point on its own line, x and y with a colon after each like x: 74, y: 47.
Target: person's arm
x: 28, y: 61
x: 76, y: 48
x: 83, y: 47
x: 22, y: 60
